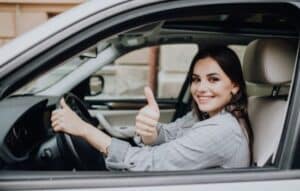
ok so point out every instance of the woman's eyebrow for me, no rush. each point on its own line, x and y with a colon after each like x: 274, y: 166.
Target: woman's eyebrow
x: 213, y: 74
x: 195, y: 75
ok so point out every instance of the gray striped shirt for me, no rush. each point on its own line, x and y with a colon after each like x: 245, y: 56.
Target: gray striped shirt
x: 186, y: 144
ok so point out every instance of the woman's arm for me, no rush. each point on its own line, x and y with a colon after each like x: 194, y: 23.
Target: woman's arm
x: 65, y: 120
x: 170, y: 131
x: 204, y: 146
x: 149, y: 131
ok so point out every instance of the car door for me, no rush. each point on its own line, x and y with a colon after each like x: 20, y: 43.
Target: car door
x: 282, y: 174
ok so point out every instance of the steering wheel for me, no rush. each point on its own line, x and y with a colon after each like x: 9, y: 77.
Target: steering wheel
x: 85, y: 156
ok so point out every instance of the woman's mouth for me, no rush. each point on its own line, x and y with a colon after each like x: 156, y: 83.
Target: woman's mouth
x: 204, y: 99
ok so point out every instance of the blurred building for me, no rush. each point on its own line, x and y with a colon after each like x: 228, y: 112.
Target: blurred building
x: 19, y: 16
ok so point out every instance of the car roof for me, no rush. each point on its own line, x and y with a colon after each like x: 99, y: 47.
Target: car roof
x: 53, y: 26
x: 57, y: 24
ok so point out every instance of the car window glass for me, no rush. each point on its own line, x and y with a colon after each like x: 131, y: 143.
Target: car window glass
x: 174, y: 64
x: 126, y: 77
x: 51, y: 77
x: 130, y: 73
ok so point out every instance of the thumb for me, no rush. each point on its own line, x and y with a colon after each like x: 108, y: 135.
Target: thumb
x: 63, y: 104
x: 150, y: 98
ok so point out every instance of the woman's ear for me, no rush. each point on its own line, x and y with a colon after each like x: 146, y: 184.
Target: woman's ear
x: 235, y: 89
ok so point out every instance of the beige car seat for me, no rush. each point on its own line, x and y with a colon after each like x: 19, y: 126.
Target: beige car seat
x: 268, y: 61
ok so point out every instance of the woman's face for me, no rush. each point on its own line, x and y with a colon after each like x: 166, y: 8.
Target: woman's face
x: 211, y: 88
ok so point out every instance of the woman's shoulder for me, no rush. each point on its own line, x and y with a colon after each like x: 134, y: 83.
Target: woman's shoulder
x: 224, y: 122
x: 188, y: 118
x: 226, y: 118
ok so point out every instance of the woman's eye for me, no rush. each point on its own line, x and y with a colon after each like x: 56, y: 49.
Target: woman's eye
x: 195, y: 79
x: 212, y: 79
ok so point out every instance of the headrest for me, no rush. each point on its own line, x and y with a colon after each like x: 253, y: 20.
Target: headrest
x: 269, y: 61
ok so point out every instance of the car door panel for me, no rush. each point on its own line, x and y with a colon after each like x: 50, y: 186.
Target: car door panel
x: 121, y: 123
x: 238, y: 179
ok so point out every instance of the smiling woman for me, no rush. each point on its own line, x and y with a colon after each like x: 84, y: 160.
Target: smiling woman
x: 217, y: 84
x: 209, y: 136
x: 196, y: 134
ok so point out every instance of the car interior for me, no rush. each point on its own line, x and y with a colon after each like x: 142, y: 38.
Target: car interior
x: 268, y: 61
x: 271, y: 41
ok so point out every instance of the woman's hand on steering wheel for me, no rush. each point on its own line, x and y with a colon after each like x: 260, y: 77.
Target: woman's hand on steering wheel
x: 66, y: 120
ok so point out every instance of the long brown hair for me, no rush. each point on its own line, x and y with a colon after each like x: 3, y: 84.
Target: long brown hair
x: 230, y: 64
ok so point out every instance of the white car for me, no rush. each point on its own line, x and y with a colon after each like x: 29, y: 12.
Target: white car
x: 76, y: 55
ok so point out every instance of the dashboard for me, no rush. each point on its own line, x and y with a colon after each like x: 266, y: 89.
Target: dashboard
x: 25, y: 124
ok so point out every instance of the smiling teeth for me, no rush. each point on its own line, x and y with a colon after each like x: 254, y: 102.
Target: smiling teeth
x: 203, y: 99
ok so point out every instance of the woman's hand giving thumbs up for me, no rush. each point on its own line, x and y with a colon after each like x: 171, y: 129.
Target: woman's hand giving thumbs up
x: 147, y: 119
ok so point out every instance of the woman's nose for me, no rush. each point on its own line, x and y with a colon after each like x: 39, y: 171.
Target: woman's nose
x: 202, y: 86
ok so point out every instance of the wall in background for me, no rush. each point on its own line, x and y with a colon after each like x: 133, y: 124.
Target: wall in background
x: 19, y: 16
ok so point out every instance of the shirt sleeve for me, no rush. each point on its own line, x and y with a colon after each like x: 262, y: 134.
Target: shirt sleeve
x: 170, y: 131
x: 202, y: 147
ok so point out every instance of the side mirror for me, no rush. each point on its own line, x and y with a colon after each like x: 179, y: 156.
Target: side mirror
x: 96, y: 84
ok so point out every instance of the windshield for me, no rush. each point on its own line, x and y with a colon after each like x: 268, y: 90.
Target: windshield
x: 51, y: 77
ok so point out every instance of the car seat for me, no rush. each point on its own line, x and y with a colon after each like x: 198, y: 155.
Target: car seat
x: 268, y: 61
